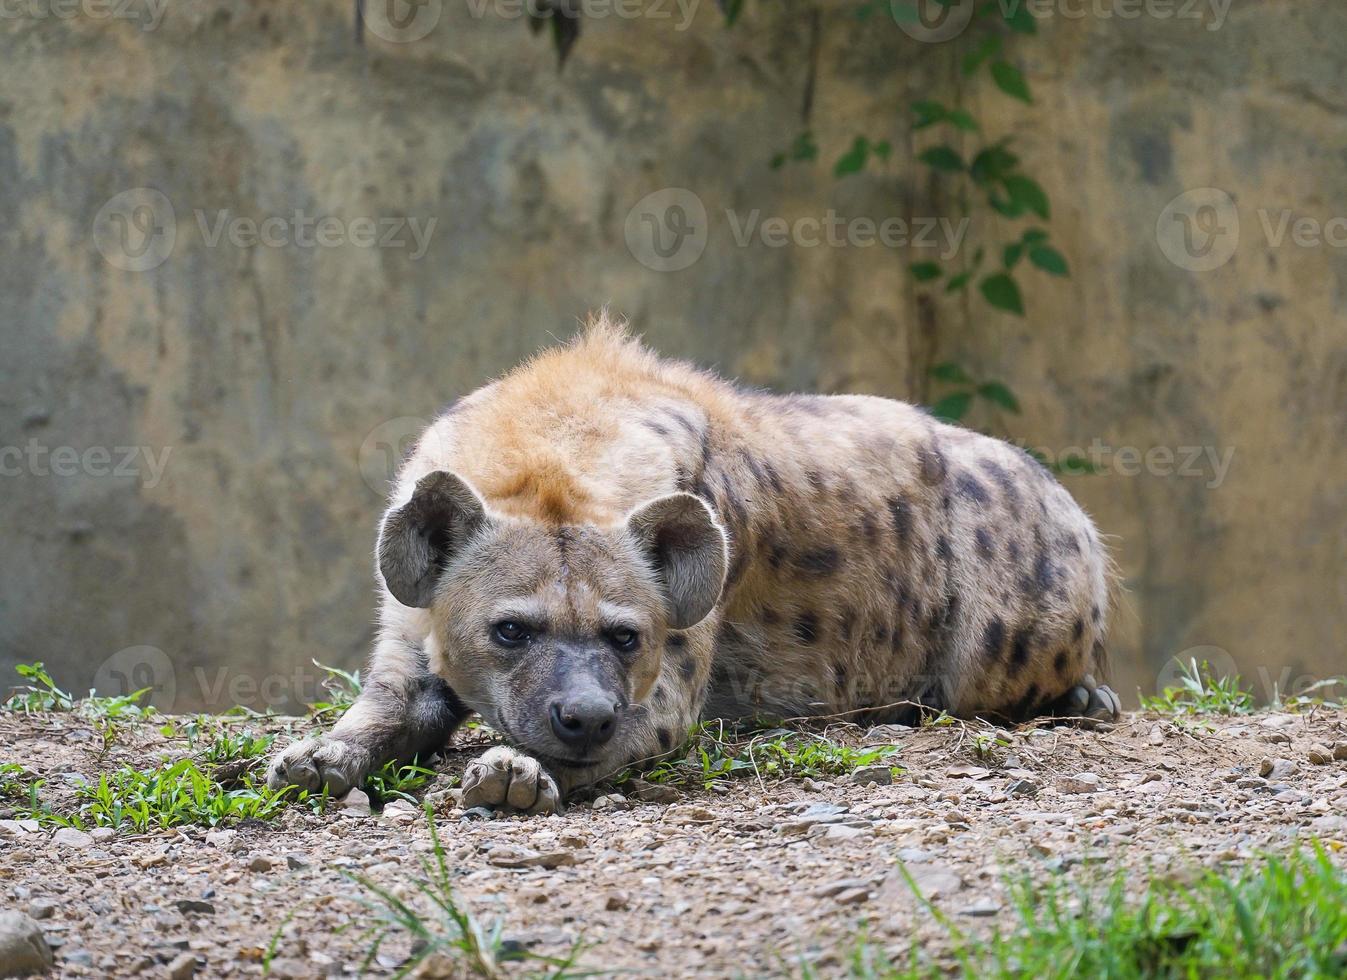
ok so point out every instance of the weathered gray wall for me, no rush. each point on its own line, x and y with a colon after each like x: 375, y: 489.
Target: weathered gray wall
x: 265, y: 370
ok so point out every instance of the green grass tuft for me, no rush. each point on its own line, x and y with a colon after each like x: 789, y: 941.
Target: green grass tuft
x: 1201, y: 693
x: 1280, y: 919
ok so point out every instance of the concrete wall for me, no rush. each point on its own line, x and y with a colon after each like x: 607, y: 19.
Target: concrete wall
x: 280, y: 379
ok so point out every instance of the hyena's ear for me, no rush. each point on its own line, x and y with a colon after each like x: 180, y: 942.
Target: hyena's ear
x: 418, y: 538
x: 684, y: 541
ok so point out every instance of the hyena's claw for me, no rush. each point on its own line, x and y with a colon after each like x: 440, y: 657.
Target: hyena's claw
x: 505, y: 779
x: 1090, y: 703
x: 318, y: 762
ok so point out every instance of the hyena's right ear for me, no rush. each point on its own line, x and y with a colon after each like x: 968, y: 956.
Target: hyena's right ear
x: 418, y: 538
x: 687, y: 547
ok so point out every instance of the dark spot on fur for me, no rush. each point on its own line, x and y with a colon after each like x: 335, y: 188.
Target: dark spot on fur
x: 932, y: 462
x: 1061, y: 661
x: 969, y: 488
x: 848, y: 623
x: 1005, y: 482
x: 819, y: 561
x: 994, y: 638
x: 665, y: 739
x: 806, y: 628
x: 676, y: 640
x: 1025, y: 706
x: 839, y: 678
x: 1014, y: 550
x: 985, y: 543
x: 869, y: 528
x: 773, y: 478
x: 770, y: 616
x: 1020, y: 649
x: 1095, y: 615
x: 900, y: 513
x: 1077, y: 628
x: 655, y: 427
x: 942, y: 549
x: 687, y: 666
x: 816, y: 481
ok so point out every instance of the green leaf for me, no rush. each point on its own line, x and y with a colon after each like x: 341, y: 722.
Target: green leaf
x: 1019, y: 19
x: 990, y: 47
x: 1049, y: 260
x: 1012, y: 254
x: 928, y: 113
x: 926, y: 271
x: 1028, y: 193
x: 953, y: 407
x: 778, y: 161
x: 1010, y: 81
x: 958, y: 282
x: 999, y: 394
x: 962, y: 120
x: 853, y: 161
x: 993, y: 164
x: 1001, y: 291
x: 951, y: 372
x: 942, y: 158
x: 1034, y: 236
x: 1003, y: 206
x: 881, y: 149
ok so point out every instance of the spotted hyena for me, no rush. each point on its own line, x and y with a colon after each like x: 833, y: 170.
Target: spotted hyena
x: 602, y: 547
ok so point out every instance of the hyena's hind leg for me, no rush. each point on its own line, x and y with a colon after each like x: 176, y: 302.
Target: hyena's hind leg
x: 404, y: 710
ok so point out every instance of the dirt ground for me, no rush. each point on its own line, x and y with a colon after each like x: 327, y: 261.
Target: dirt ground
x: 747, y: 880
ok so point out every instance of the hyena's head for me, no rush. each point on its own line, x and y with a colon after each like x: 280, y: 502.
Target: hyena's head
x: 552, y: 633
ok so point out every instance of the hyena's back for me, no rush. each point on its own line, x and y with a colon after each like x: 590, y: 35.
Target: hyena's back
x: 882, y: 557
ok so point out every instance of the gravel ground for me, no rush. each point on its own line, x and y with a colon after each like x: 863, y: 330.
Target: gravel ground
x: 744, y: 880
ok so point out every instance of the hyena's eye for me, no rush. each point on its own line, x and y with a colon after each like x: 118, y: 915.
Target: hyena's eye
x: 623, y: 640
x: 509, y: 633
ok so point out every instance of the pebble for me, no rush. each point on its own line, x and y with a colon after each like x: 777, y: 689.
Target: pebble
x: 23, y: 949
x: 1276, y: 768
x: 18, y: 828
x: 839, y: 887
x: 43, y: 908
x: 355, y: 803
x: 478, y: 813
x: 70, y: 837
x: 509, y: 856
x: 880, y: 775
x: 1340, y: 752
x: 1320, y: 755
x: 1085, y: 782
x: 260, y: 862
x: 982, y: 909
x: 225, y: 840
x: 296, y: 862
x: 183, y: 967
x: 615, y: 900
x: 1023, y: 787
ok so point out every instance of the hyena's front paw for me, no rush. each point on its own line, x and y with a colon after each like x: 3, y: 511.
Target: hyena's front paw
x: 318, y: 762
x: 503, y: 777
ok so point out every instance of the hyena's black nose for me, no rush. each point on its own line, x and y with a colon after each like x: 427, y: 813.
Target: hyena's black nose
x: 584, y: 721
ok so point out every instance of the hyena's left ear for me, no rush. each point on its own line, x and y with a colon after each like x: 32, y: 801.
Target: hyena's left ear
x: 417, y: 539
x: 685, y: 543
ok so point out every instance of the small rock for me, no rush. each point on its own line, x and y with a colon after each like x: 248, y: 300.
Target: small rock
x: 23, y: 950
x: 479, y: 813
x: 1276, y: 768
x: 839, y: 833
x: 1023, y: 787
x: 1320, y: 755
x: 261, y: 862
x: 653, y: 792
x: 839, y: 887
x: 102, y: 834
x: 853, y: 896
x: 43, y: 908
x: 1085, y: 782
x: 296, y: 862
x: 355, y: 803
x: 196, y: 905
x: 1340, y: 752
x: 183, y: 967
x: 224, y: 840
x: 812, y: 785
x: 615, y: 900
x: 689, y: 814
x: 70, y: 837
x: 18, y: 828
x: 508, y: 856
x: 882, y: 775
x: 153, y: 859
x: 968, y: 772
x: 981, y: 909
x: 292, y: 968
